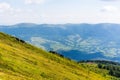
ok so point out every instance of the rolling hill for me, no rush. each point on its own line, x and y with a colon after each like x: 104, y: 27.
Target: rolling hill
x: 22, y: 61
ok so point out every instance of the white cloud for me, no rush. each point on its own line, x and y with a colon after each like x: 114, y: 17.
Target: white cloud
x: 109, y: 9
x: 34, y: 1
x: 12, y: 15
x: 5, y: 7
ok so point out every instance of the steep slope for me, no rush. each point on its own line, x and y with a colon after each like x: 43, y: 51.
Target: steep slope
x: 22, y: 61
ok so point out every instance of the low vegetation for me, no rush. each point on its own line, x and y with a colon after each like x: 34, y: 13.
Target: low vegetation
x: 112, y: 68
x: 22, y: 61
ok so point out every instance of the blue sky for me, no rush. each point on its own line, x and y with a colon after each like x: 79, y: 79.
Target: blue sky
x: 59, y: 11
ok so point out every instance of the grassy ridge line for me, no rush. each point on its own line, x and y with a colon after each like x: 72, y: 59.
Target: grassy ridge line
x: 22, y: 61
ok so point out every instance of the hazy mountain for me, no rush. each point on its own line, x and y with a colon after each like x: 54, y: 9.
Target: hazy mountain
x: 76, y: 41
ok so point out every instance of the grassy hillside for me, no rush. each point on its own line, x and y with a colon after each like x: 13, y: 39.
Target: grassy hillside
x: 22, y: 61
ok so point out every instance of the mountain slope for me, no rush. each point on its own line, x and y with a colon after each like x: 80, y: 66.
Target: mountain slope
x: 21, y: 61
x: 90, y: 39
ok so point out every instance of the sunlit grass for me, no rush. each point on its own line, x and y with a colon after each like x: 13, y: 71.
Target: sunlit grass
x: 21, y: 61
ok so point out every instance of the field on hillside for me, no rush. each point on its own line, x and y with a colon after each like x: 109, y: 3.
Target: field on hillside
x: 22, y: 61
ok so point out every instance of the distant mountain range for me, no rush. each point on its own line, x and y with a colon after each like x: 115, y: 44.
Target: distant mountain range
x: 76, y: 41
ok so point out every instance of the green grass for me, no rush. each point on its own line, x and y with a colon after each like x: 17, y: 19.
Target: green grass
x: 22, y: 61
